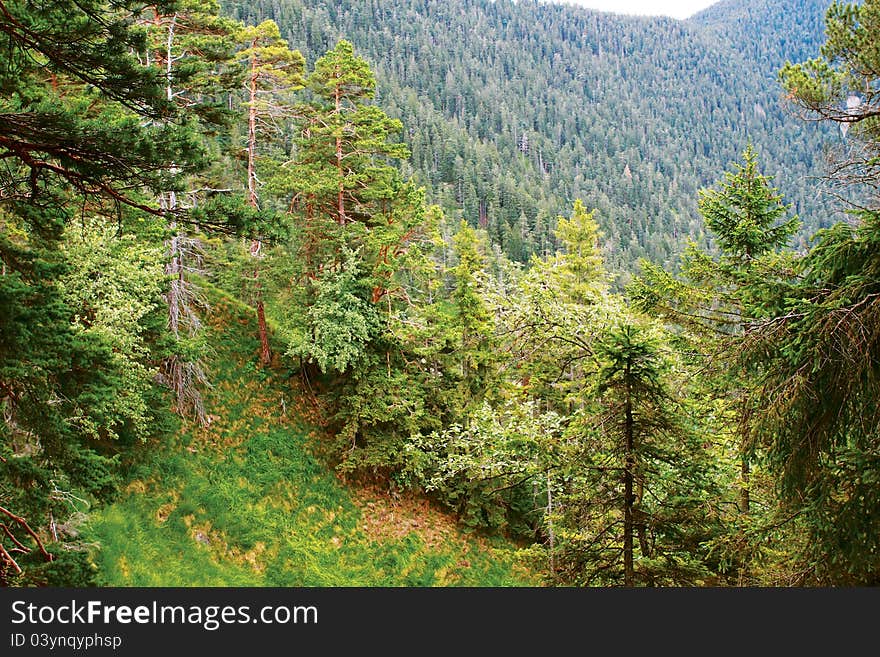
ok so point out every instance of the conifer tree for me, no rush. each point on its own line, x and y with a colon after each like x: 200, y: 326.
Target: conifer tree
x: 190, y: 45
x: 347, y: 198
x: 361, y: 235
x: 273, y: 73
x: 715, y: 296
x: 580, y: 266
x: 814, y: 354
x: 85, y: 128
x: 637, y: 506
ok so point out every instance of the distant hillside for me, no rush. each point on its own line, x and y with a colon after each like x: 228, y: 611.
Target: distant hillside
x: 514, y: 109
x: 768, y: 32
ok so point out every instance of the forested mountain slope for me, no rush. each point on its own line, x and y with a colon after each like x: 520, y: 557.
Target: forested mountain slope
x: 235, y: 335
x: 767, y: 31
x: 512, y: 110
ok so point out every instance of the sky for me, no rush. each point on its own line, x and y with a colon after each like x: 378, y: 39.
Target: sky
x: 674, y: 8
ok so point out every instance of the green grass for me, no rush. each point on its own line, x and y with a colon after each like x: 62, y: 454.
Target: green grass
x: 246, y: 503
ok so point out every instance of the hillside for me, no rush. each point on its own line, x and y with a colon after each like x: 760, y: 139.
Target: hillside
x: 239, y: 344
x: 246, y: 502
x: 512, y: 110
x: 768, y: 32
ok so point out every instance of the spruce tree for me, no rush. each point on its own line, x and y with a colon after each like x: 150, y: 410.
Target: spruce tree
x: 814, y: 354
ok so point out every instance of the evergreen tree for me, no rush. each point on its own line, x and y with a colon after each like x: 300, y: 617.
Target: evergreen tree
x: 274, y: 72
x: 361, y: 236
x: 715, y: 300
x: 815, y: 353
x: 85, y: 129
x: 744, y: 214
x: 347, y: 200
x: 637, y: 506
x: 471, y: 320
x: 190, y: 44
x: 580, y: 268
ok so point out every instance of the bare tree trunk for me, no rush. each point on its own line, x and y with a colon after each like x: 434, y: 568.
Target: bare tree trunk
x: 252, y: 133
x: 745, y: 475
x: 182, y: 377
x: 550, y: 531
x: 640, y: 518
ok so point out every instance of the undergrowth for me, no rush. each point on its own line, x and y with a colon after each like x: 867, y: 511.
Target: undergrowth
x: 245, y: 501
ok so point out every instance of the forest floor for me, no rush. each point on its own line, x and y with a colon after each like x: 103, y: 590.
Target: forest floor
x: 245, y: 501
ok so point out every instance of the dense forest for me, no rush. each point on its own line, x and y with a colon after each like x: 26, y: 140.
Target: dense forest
x: 405, y: 292
x: 514, y: 109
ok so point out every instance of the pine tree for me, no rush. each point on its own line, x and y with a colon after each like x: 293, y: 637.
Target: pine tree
x: 274, y: 72
x: 190, y: 45
x: 347, y: 199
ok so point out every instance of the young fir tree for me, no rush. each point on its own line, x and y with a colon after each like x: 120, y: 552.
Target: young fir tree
x: 548, y: 317
x: 716, y: 300
x: 636, y: 509
x: 472, y: 325
x: 579, y: 267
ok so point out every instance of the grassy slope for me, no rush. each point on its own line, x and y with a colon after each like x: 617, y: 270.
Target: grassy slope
x: 245, y: 503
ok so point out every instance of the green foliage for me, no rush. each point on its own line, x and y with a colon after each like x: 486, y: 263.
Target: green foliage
x: 816, y: 366
x: 74, y: 104
x: 639, y: 482
x: 580, y: 268
x: 115, y: 285
x: 730, y: 438
x: 247, y: 502
x: 191, y: 43
x: 60, y: 387
x: 840, y: 87
x: 86, y: 128
x: 491, y: 470
x: 814, y: 354
x: 340, y: 322
x: 744, y: 213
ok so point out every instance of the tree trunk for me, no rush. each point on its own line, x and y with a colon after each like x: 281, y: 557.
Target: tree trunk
x: 252, y: 133
x: 265, y: 353
x: 628, y: 497
x: 744, y: 495
x: 551, y: 533
x: 640, y: 519
x: 340, y: 200
x: 256, y: 245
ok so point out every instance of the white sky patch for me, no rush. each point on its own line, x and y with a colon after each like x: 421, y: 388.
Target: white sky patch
x: 674, y: 8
